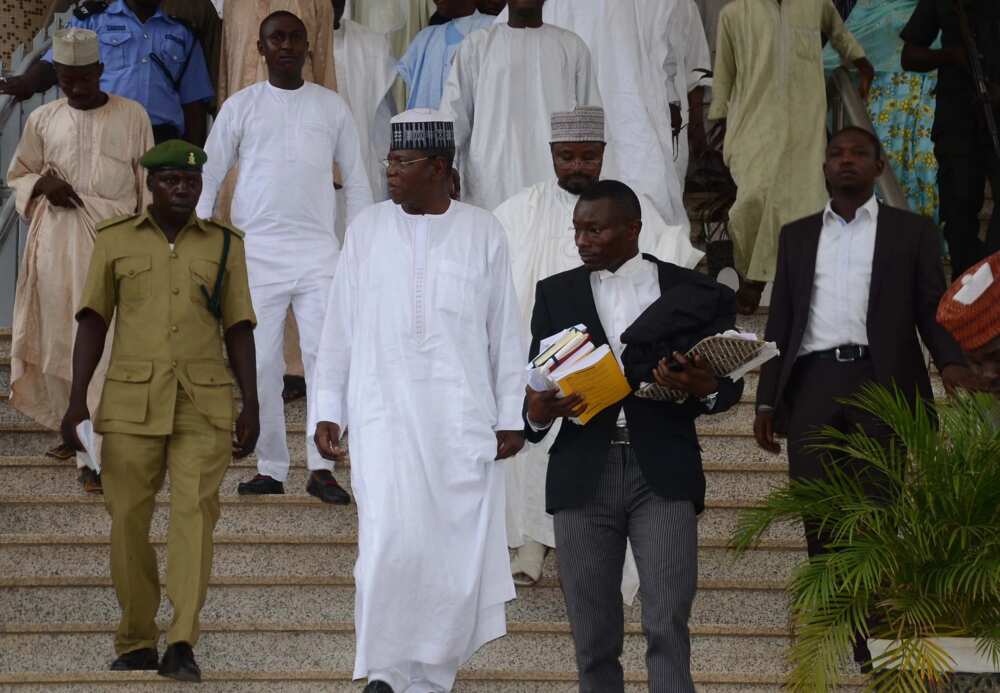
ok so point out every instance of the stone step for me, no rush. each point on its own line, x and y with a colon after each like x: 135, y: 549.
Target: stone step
x: 316, y: 600
x: 283, y: 516
x: 543, y: 648
x: 41, y: 557
x: 41, y: 481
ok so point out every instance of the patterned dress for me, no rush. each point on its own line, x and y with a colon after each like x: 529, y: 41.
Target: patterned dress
x: 901, y: 104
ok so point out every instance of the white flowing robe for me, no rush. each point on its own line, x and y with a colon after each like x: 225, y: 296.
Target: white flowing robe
x: 366, y: 71
x: 422, y: 357
x: 692, y: 55
x: 97, y: 152
x: 504, y: 85
x: 631, y: 47
x: 539, y: 225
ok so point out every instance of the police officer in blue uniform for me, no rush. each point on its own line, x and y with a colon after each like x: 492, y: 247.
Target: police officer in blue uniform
x: 148, y: 57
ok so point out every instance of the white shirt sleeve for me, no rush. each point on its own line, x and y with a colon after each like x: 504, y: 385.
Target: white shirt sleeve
x: 357, y: 189
x: 506, y: 346
x: 587, y: 91
x: 222, y: 148
x: 333, y: 359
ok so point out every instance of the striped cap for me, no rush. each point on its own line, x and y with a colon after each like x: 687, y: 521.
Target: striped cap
x: 970, y: 309
x: 422, y: 128
x: 583, y: 124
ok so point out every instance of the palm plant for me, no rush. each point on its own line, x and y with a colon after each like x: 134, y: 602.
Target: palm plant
x: 924, y: 563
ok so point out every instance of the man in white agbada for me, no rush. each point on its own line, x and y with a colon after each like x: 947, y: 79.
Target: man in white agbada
x: 631, y: 46
x: 694, y: 60
x: 286, y: 134
x: 366, y: 71
x: 504, y: 82
x: 77, y: 164
x: 539, y: 225
x: 423, y: 360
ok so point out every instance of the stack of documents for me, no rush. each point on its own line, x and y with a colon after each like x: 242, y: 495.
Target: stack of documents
x: 731, y: 355
x: 570, y: 362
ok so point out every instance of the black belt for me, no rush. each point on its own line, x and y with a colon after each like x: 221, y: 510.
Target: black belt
x: 847, y: 353
x: 620, y: 436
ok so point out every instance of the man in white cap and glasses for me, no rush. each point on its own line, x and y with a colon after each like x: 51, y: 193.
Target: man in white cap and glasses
x: 539, y: 225
x: 422, y: 357
x: 76, y: 165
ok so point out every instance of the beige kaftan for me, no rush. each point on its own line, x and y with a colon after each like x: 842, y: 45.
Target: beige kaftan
x: 770, y: 88
x: 97, y: 152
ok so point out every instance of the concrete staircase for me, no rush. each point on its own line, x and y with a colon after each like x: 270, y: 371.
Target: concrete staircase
x: 279, y: 611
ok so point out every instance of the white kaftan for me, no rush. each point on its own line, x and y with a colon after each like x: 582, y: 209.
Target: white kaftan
x: 97, y: 152
x: 504, y: 86
x: 422, y: 357
x: 539, y: 225
x: 636, y: 64
x: 692, y: 55
x: 366, y: 71
x: 286, y: 142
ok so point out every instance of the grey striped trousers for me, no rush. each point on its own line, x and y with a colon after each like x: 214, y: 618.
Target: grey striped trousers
x: 590, y: 544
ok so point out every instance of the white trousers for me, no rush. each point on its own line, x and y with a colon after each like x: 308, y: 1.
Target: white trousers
x: 415, y: 677
x: 307, y: 298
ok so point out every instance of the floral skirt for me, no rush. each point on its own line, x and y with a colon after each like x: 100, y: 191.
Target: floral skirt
x: 901, y: 105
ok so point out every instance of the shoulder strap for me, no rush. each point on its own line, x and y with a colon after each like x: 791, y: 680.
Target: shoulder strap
x: 114, y: 221
x: 215, y: 300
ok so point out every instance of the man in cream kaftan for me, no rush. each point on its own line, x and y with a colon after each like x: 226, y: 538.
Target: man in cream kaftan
x: 505, y: 82
x: 770, y: 88
x: 539, y: 226
x: 423, y: 360
x: 96, y: 151
x: 631, y: 47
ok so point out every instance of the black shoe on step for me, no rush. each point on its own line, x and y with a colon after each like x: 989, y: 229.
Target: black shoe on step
x: 178, y: 664
x: 325, y: 487
x: 378, y: 687
x: 145, y: 659
x: 260, y: 485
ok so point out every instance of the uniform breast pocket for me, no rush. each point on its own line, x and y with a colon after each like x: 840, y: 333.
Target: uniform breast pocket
x: 133, y: 276
x: 117, y: 49
x: 314, y: 147
x: 203, y: 274
x: 126, y: 391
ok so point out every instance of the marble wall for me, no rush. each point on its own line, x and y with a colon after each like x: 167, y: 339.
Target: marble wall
x: 20, y: 20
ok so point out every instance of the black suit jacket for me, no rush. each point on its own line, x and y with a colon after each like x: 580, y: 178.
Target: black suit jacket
x: 906, y: 285
x: 662, y: 434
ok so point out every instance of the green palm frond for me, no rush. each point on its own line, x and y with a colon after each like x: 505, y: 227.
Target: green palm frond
x: 916, y: 559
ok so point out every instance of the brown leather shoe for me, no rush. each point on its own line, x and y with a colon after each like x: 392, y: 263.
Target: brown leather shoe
x: 91, y: 481
x: 61, y: 452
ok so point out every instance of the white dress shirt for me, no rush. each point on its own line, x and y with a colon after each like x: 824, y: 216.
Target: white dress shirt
x: 621, y: 297
x: 838, y: 310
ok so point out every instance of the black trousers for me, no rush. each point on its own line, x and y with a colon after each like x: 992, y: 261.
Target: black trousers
x: 815, y: 387
x: 963, y: 169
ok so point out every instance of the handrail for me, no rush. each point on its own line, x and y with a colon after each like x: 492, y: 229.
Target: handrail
x: 7, y: 102
x: 8, y: 217
x: 849, y: 109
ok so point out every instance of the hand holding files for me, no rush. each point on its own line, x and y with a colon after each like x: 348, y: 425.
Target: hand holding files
x: 691, y: 375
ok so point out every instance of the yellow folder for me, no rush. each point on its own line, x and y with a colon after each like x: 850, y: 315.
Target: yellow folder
x: 598, y: 378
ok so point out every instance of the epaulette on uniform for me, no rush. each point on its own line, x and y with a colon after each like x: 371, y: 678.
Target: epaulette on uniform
x: 90, y: 8
x: 114, y: 221
x: 186, y: 23
x: 223, y: 225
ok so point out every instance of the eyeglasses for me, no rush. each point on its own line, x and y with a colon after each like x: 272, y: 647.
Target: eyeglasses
x: 389, y: 163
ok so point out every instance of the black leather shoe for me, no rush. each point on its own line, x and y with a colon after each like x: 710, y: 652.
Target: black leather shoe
x: 178, y: 664
x: 260, y: 485
x: 325, y: 487
x: 378, y: 687
x: 145, y: 659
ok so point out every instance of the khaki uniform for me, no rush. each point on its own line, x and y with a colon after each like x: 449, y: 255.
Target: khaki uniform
x: 167, y: 407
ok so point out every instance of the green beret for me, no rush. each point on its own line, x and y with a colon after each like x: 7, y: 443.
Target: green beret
x: 174, y: 154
